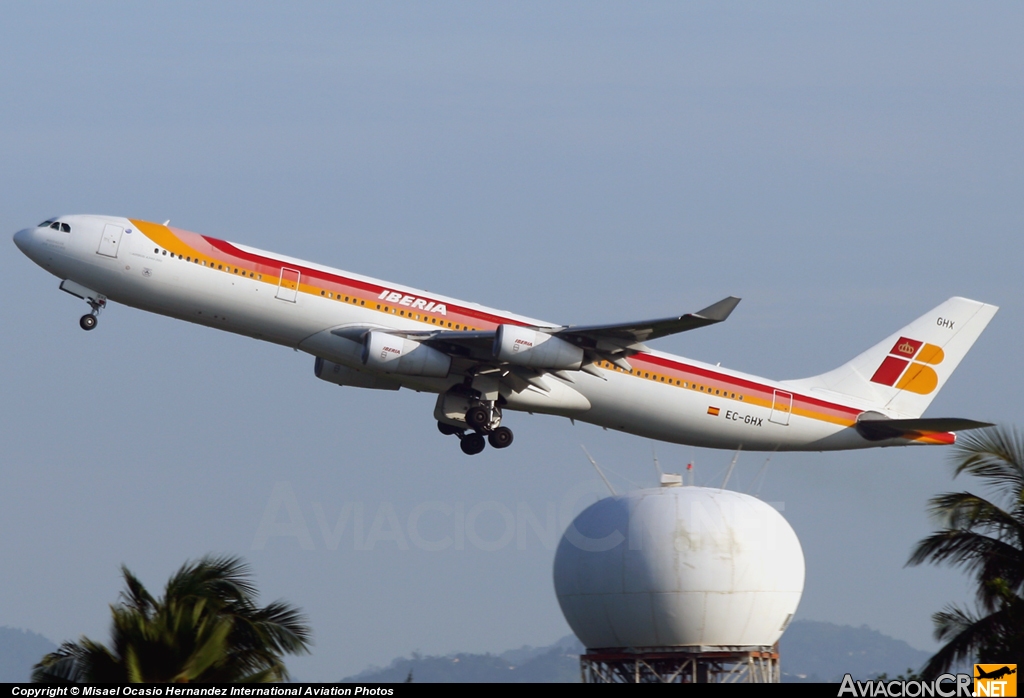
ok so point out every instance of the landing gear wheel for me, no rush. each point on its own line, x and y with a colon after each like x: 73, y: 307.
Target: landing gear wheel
x: 87, y: 322
x: 500, y: 437
x: 478, y: 417
x: 448, y: 429
x: 472, y: 444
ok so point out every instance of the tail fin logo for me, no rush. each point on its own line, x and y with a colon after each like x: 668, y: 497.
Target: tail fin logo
x: 916, y: 375
x: 907, y: 348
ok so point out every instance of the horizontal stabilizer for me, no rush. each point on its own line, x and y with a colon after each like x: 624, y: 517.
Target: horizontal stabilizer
x: 881, y: 429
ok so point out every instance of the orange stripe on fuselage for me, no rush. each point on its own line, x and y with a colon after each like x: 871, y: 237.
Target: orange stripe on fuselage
x: 220, y: 253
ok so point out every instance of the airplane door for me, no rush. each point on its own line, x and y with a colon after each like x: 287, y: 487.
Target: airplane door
x: 288, y: 286
x: 782, y: 407
x: 110, y: 240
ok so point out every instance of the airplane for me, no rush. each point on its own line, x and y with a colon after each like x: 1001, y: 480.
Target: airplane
x: 373, y: 334
x: 995, y: 673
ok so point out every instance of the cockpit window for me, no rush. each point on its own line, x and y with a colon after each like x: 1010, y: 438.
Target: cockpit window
x: 45, y: 223
x: 55, y: 225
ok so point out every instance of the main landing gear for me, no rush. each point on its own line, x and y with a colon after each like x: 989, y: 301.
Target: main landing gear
x: 485, y: 422
x: 89, y: 320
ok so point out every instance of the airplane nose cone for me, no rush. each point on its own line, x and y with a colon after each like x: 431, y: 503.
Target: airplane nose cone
x: 22, y: 239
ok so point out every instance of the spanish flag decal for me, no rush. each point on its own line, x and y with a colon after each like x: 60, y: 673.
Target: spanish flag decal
x: 713, y: 411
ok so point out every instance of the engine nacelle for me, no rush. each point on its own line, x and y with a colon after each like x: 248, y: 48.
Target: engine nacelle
x: 386, y: 352
x: 525, y: 347
x: 339, y: 374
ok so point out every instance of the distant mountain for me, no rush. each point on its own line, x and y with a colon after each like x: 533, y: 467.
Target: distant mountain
x: 20, y: 650
x: 810, y: 651
x: 815, y: 651
x: 556, y: 663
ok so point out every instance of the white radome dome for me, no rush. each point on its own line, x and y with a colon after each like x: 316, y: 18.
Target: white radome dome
x: 679, y: 566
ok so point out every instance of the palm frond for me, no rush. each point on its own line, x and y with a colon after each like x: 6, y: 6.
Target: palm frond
x: 135, y: 596
x: 986, y: 540
x: 207, y: 627
x: 968, y: 510
x: 996, y: 455
x: 963, y: 635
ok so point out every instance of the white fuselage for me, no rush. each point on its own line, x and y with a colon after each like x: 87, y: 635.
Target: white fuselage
x: 297, y: 304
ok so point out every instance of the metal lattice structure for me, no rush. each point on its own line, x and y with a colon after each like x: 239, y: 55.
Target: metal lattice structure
x: 682, y: 665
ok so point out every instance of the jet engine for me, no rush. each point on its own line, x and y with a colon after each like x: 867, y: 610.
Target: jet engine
x: 525, y: 347
x: 386, y: 352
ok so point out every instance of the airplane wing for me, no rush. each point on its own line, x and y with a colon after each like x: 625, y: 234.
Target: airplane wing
x: 609, y: 342
x: 634, y: 333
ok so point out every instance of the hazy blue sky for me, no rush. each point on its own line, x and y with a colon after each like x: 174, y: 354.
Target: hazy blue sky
x: 842, y: 167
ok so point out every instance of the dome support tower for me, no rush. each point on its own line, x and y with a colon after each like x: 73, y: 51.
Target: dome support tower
x: 682, y: 665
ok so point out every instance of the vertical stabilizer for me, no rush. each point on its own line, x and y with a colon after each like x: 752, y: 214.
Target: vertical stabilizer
x: 903, y: 373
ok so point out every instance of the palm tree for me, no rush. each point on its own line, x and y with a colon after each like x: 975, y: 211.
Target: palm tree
x: 207, y: 627
x: 985, y: 537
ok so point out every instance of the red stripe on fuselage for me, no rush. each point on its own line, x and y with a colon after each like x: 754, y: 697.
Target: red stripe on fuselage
x: 274, y: 266
x: 742, y: 384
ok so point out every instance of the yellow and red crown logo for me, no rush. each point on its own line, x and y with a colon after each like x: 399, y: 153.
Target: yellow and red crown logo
x: 909, y: 366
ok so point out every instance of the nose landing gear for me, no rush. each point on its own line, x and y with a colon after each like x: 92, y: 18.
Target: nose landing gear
x: 88, y: 321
